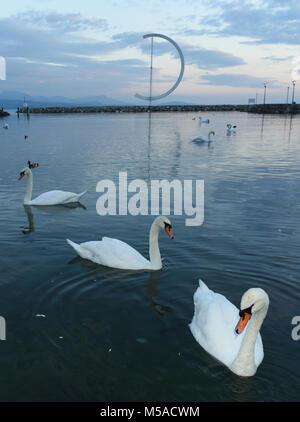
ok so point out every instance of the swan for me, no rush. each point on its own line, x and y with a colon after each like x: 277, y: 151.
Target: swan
x: 53, y: 197
x: 203, y: 138
x: 5, y: 126
x: 213, y: 328
x: 117, y: 254
x: 230, y: 128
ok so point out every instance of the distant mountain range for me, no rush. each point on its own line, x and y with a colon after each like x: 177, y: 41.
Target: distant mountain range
x: 14, y: 99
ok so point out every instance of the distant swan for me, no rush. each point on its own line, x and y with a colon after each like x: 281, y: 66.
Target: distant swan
x: 230, y: 128
x: 203, y: 138
x: 117, y: 254
x: 213, y: 328
x: 5, y: 126
x: 53, y: 197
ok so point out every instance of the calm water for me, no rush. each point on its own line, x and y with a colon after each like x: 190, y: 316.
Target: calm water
x: 111, y: 335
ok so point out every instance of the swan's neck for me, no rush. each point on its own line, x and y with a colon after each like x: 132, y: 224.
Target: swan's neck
x: 244, y: 363
x: 28, y: 195
x: 154, y: 252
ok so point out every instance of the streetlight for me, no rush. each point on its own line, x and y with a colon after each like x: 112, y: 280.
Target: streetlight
x: 287, y: 95
x: 293, y: 95
x: 265, y: 88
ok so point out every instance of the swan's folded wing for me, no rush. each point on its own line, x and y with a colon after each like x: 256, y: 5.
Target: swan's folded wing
x: 213, y: 325
x: 115, y: 253
x: 54, y: 197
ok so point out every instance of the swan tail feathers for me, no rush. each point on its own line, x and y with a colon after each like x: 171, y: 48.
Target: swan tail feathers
x: 74, y: 246
x: 81, y: 194
x: 203, y: 286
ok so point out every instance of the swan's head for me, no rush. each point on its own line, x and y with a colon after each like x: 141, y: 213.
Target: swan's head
x: 253, y: 300
x: 163, y: 223
x: 25, y: 172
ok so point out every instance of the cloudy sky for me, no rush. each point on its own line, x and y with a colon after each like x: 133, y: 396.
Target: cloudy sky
x: 95, y: 47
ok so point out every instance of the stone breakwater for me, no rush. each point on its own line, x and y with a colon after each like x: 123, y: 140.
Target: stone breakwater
x: 256, y: 108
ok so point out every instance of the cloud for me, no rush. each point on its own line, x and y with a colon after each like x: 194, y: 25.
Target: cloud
x: 278, y: 59
x: 268, y: 22
x: 211, y: 59
x: 236, y: 80
x: 51, y: 51
x: 40, y: 57
x: 67, y: 22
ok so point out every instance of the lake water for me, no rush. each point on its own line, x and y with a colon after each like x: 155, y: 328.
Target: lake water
x: 110, y: 335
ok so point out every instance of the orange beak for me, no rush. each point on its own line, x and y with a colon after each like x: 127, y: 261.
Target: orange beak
x: 242, y: 323
x: 169, y: 231
x: 21, y: 176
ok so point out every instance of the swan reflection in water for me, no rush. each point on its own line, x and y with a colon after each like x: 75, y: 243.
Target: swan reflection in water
x: 152, y: 292
x: 50, y: 209
x: 96, y: 272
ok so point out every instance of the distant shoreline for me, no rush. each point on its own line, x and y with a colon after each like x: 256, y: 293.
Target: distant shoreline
x: 249, y: 108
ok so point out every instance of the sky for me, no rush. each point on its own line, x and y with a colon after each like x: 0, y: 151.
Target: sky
x: 96, y: 47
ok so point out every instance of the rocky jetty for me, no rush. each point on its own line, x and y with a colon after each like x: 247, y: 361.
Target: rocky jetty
x: 3, y: 113
x: 274, y: 108
x: 253, y: 108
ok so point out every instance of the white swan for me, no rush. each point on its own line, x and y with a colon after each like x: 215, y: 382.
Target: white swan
x: 213, y: 327
x: 203, y: 138
x: 230, y: 128
x: 53, y: 197
x: 117, y: 254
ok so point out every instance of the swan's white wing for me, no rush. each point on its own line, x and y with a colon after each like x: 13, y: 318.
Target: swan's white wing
x: 112, y: 253
x: 55, y: 197
x: 213, y: 326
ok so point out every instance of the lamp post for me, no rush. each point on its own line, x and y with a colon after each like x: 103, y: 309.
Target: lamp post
x: 293, y: 95
x: 265, y: 88
x: 287, y: 94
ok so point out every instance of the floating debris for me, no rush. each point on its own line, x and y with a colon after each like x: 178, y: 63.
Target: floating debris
x: 109, y: 350
x: 41, y: 315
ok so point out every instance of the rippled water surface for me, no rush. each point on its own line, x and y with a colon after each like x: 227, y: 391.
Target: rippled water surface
x: 110, y: 335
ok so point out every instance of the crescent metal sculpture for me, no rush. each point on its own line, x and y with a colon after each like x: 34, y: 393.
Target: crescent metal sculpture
x: 157, y: 97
